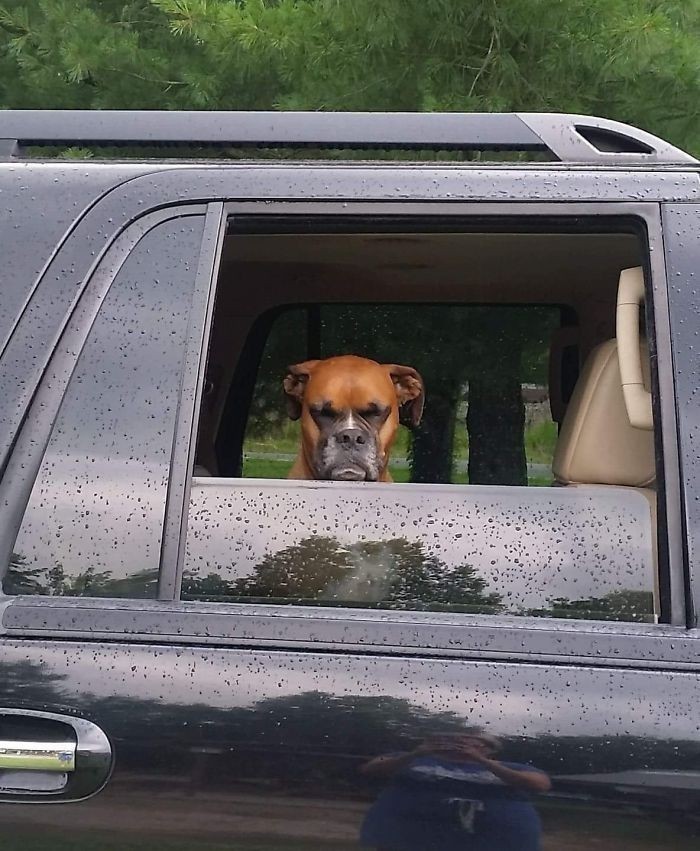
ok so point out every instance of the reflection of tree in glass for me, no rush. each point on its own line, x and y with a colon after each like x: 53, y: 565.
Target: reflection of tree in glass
x: 625, y: 605
x: 398, y: 573
x: 25, y: 578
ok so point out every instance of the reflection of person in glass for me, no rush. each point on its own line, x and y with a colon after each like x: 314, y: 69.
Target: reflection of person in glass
x: 452, y: 793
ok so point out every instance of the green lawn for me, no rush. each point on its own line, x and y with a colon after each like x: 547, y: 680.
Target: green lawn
x: 267, y: 468
x: 540, y: 440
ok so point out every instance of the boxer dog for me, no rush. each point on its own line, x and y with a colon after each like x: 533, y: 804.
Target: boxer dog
x: 349, y: 409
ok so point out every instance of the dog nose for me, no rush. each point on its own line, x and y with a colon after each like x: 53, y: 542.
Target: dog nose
x: 350, y: 437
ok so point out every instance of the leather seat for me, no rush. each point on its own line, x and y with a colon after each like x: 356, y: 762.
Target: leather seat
x: 597, y: 445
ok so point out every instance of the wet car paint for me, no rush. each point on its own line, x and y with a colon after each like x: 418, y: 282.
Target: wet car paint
x: 261, y: 747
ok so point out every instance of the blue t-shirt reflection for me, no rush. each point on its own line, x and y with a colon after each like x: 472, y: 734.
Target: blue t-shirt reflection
x: 441, y: 804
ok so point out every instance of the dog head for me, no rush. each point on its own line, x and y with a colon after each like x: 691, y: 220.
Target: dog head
x: 349, y: 409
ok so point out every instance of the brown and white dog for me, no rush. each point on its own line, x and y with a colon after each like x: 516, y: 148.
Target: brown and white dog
x: 349, y: 409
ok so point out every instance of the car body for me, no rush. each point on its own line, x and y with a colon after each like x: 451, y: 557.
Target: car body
x: 141, y: 716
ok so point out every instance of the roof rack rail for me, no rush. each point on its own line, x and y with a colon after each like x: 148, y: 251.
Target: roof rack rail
x: 568, y: 138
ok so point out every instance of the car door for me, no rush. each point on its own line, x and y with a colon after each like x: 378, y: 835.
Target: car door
x: 243, y: 725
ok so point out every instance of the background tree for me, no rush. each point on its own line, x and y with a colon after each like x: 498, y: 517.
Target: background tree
x: 509, y: 347
x: 23, y: 578
x: 634, y: 60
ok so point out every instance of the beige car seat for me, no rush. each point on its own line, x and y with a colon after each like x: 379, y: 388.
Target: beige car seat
x: 597, y: 445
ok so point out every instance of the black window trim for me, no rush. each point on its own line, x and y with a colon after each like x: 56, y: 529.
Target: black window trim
x: 682, y: 253
x: 187, y: 414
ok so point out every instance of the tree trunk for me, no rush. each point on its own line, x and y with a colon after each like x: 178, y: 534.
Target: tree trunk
x: 496, y: 424
x: 432, y: 441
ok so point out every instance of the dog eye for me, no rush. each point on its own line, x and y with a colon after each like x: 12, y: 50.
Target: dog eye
x: 324, y: 413
x: 369, y: 412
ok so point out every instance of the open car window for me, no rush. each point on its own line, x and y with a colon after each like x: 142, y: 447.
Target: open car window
x: 523, y: 489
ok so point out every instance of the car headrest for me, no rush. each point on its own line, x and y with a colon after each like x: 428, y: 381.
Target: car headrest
x: 597, y: 444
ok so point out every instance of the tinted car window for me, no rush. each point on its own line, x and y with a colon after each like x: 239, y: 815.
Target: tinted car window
x: 94, y: 521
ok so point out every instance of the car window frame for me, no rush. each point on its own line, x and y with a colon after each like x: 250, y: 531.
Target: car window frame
x: 671, y: 572
x: 682, y: 249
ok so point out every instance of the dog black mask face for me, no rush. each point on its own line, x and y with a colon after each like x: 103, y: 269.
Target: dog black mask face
x: 349, y: 410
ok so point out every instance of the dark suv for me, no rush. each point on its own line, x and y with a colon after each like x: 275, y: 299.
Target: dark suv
x: 498, y: 650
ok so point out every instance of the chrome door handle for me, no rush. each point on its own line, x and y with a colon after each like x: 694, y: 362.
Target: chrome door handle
x: 45, y: 756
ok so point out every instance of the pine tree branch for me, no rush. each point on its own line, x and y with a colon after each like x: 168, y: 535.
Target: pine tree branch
x: 145, y: 79
x: 484, y: 64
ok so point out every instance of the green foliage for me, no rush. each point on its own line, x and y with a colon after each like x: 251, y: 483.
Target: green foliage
x: 634, y: 60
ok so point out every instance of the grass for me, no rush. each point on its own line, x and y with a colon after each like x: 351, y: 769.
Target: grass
x: 264, y: 468
x: 269, y: 468
x: 540, y: 440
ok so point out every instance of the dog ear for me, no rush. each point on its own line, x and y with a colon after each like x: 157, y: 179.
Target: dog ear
x: 294, y: 385
x: 410, y: 393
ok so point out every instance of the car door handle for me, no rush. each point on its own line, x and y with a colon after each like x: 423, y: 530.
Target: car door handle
x: 47, y: 757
